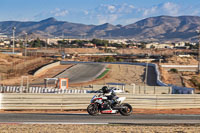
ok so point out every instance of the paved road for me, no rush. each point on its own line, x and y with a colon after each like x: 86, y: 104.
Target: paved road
x: 100, y: 119
x: 151, y: 76
x: 82, y: 72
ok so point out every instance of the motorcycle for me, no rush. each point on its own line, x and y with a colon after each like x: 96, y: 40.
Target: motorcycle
x: 101, y: 105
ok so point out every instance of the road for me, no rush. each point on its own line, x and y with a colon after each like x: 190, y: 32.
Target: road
x: 152, y: 119
x: 82, y: 72
x: 151, y: 76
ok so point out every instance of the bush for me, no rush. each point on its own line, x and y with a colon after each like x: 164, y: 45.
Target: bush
x: 173, y: 70
x: 195, y: 82
x: 106, y: 59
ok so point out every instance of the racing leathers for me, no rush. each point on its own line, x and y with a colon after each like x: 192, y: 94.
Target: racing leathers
x: 111, y: 95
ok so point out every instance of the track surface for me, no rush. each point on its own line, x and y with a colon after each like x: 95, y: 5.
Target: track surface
x: 82, y: 72
x: 100, y: 119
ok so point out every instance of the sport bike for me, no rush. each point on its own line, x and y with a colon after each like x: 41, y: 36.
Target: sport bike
x: 101, y: 105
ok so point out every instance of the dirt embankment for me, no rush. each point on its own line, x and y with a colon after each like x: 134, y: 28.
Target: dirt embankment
x: 150, y: 51
x: 186, y: 79
x: 12, y: 67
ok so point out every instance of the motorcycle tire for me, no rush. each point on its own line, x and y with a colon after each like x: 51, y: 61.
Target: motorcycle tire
x: 127, y: 110
x: 92, y: 109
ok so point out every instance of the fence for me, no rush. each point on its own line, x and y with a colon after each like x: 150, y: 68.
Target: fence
x: 18, y: 89
x: 128, y: 88
x: 137, y: 89
x: 81, y: 101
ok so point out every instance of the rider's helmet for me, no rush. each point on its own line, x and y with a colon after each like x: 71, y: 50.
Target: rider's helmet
x: 105, y: 89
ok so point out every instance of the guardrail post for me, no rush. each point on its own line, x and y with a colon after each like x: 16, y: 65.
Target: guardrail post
x: 139, y: 89
x: 61, y: 103
x: 156, y: 101
x: 169, y: 91
x: 133, y: 91
x: 27, y: 83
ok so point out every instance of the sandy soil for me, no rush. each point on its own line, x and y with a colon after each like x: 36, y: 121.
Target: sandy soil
x: 171, y: 78
x: 36, y: 128
x: 150, y: 51
x: 176, y: 60
x: 180, y: 78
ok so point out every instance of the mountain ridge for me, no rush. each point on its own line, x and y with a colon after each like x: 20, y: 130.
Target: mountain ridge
x: 160, y: 28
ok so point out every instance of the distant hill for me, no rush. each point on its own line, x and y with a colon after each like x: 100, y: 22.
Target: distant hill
x: 161, y: 28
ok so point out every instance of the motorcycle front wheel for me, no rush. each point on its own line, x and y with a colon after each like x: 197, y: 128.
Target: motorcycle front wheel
x: 92, y: 109
x: 126, y: 109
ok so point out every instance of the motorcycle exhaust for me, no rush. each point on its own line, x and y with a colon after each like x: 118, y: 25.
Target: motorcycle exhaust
x: 120, y: 107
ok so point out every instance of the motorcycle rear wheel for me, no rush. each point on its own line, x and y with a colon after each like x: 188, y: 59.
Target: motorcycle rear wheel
x: 126, y: 110
x: 92, y: 109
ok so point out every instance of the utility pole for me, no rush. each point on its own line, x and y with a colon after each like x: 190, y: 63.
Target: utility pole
x: 26, y: 43
x: 146, y: 76
x: 198, y: 32
x: 25, y: 50
x: 14, y: 28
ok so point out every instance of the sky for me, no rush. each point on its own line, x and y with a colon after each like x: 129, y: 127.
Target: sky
x: 95, y: 11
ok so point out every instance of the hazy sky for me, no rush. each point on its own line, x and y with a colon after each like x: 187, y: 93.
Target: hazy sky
x: 95, y: 11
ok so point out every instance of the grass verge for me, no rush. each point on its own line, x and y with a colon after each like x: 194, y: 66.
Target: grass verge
x: 104, y: 73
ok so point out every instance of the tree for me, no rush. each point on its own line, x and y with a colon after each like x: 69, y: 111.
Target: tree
x: 99, y: 42
x: 152, y: 47
x: 37, y: 43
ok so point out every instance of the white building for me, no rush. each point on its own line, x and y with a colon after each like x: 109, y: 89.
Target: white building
x: 159, y: 46
x: 119, y: 41
x: 180, y: 44
x: 2, y: 36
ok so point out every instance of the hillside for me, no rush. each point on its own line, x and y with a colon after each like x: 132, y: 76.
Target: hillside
x: 161, y: 28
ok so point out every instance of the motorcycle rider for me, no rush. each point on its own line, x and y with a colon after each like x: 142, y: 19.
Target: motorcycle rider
x: 110, y: 94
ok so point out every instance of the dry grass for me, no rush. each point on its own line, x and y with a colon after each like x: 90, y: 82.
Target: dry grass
x: 44, y: 128
x: 83, y: 50
x: 12, y: 67
x: 176, y: 60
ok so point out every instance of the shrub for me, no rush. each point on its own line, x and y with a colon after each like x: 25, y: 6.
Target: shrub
x: 195, y: 82
x: 173, y: 70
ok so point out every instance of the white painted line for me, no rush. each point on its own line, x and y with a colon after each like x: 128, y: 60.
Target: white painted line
x: 180, y: 66
x: 54, y: 123
x: 1, y: 97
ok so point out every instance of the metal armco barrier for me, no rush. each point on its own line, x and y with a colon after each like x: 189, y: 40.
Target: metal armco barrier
x: 81, y: 101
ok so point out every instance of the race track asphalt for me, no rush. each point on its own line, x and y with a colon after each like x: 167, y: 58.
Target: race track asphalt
x: 82, y: 72
x: 151, y: 119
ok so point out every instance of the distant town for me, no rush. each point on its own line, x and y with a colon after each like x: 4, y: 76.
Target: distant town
x: 111, y: 44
